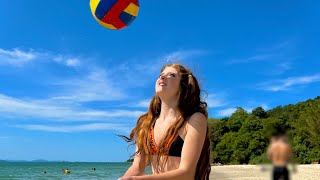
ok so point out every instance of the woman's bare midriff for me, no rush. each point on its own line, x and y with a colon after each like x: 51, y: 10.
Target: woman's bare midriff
x: 172, y: 164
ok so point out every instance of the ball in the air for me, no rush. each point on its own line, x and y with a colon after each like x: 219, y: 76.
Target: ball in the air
x: 114, y: 14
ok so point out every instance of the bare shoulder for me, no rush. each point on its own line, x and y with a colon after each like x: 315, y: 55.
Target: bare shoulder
x: 198, y: 120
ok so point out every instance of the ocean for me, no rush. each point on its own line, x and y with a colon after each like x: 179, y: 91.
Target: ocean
x: 54, y: 170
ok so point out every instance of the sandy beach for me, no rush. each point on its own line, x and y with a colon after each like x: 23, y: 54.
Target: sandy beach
x: 250, y: 172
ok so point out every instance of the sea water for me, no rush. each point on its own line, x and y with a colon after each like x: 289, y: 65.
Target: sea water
x: 55, y: 170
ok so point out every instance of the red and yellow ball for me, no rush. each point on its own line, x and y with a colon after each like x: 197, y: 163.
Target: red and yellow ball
x: 114, y: 14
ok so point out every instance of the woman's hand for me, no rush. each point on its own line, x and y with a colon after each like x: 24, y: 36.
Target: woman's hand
x: 128, y: 178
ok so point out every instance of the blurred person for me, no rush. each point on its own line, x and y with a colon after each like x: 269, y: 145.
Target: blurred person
x: 280, y: 154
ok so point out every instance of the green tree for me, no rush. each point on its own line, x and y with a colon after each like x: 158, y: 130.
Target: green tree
x: 234, y: 123
x: 243, y: 137
x: 259, y: 111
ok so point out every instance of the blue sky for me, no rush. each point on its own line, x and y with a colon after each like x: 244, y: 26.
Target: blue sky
x: 68, y: 85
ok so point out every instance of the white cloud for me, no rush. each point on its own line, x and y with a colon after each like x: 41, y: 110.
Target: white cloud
x: 136, y: 104
x: 215, y: 100
x: 287, y: 84
x: 72, y: 62
x: 254, y: 58
x: 17, y: 56
x: 226, y: 112
x: 98, y: 85
x: 183, y: 55
x: 281, y: 68
x: 281, y: 46
x: 68, y: 61
x: 77, y: 128
x: 55, y: 111
x: 277, y: 59
x: 265, y: 106
x: 143, y: 104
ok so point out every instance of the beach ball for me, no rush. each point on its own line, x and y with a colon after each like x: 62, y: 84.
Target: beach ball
x: 114, y: 14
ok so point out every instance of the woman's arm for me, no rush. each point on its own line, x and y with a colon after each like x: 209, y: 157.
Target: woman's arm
x: 138, y: 165
x: 192, y: 147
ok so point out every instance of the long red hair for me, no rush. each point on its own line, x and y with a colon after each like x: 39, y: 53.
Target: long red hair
x: 189, y: 103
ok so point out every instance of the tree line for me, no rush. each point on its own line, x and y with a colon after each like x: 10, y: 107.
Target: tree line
x: 243, y: 137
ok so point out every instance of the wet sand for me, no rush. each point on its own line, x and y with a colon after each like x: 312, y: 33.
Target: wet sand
x: 259, y: 172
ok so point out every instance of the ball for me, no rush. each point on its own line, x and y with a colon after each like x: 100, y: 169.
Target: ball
x: 114, y: 14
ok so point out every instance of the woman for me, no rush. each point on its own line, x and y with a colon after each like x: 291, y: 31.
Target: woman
x: 172, y: 135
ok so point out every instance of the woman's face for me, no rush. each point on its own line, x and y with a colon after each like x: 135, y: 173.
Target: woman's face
x: 168, y: 83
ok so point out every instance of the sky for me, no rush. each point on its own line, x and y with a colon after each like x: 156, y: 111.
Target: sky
x: 68, y: 85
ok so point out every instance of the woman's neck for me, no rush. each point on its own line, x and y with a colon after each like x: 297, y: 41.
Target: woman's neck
x: 168, y: 110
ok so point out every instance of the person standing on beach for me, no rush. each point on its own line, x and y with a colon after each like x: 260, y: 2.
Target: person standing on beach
x: 280, y: 153
x: 172, y: 136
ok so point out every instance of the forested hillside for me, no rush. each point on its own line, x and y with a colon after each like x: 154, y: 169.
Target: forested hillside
x: 244, y: 136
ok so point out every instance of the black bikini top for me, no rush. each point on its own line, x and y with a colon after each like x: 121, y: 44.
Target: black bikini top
x: 175, y: 147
